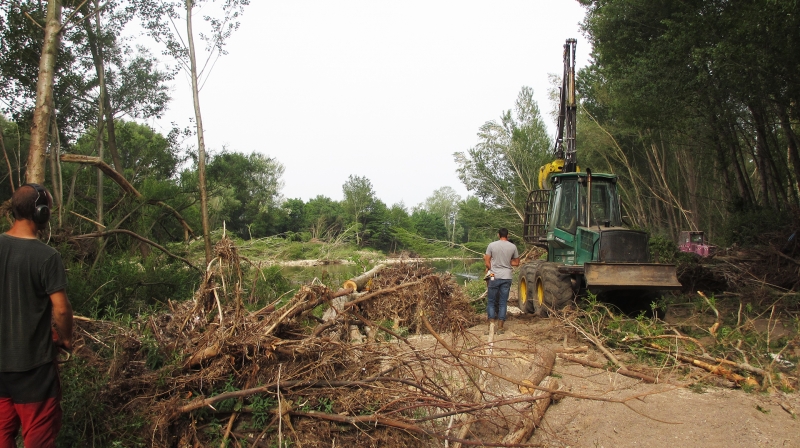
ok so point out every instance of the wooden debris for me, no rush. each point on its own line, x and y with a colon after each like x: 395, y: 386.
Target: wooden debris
x: 621, y: 370
x: 719, y: 370
x: 363, y: 281
x: 526, y: 426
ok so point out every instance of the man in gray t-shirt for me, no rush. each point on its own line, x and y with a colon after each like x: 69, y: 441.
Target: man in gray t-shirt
x: 500, y: 258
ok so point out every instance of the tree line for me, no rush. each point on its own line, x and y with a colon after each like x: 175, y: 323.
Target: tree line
x: 696, y: 106
x: 101, y: 86
x: 693, y: 105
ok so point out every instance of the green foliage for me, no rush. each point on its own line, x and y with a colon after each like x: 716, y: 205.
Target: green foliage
x: 662, y: 249
x: 427, y: 225
x: 145, y: 154
x: 134, y: 84
x: 477, y: 223
x: 230, y: 404
x: 269, y: 285
x: 504, y: 166
x: 123, y: 286
x: 324, y: 218
x: 444, y: 203
x: 474, y: 289
x: 154, y: 359
x: 261, y: 408
x: 325, y: 404
x: 429, y: 247
x: 251, y: 184
x: 748, y: 226
x: 678, y: 102
x: 358, y: 200
x: 86, y: 416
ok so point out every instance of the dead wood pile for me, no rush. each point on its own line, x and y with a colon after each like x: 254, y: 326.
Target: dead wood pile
x: 210, y: 372
x: 771, y: 265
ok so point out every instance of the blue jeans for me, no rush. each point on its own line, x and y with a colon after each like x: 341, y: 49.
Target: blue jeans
x: 497, y: 296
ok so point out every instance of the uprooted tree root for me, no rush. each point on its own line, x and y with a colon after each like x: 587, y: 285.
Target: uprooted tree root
x: 210, y: 372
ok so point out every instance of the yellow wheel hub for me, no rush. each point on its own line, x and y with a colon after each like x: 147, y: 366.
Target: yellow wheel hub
x: 539, y: 292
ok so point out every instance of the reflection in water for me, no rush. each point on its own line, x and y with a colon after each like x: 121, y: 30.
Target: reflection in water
x: 468, y: 268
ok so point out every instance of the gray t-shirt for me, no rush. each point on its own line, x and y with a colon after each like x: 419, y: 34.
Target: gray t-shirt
x: 502, y: 252
x: 29, y: 272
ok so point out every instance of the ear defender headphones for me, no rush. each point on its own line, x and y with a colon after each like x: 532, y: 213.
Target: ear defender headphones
x: 41, y: 211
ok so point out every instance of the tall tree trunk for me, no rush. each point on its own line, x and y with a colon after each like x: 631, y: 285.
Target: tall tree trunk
x: 111, y: 135
x: 722, y: 161
x: 688, y: 171
x: 201, y: 146
x: 8, y: 162
x: 793, y: 154
x: 770, y: 181
x: 723, y: 132
x: 742, y: 177
x: 57, y: 189
x: 96, y: 48
x: 724, y: 166
x: 44, y: 94
x: 97, y: 55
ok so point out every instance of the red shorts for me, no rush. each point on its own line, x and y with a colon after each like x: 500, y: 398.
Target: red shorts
x: 31, y: 400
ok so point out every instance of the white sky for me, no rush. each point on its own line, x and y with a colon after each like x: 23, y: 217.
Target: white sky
x: 388, y: 90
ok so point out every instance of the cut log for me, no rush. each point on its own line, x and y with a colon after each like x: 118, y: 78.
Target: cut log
x: 540, y: 368
x: 361, y: 282
x: 530, y: 420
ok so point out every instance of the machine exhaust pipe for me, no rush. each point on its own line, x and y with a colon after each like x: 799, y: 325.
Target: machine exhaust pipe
x: 588, y: 197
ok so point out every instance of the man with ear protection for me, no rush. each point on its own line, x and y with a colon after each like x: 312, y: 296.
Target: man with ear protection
x: 35, y: 321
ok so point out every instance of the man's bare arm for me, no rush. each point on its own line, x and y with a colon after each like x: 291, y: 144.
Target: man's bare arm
x: 62, y: 316
x: 515, y: 262
x: 487, y: 261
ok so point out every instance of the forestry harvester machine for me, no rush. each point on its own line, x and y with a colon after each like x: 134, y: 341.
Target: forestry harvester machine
x: 577, y: 217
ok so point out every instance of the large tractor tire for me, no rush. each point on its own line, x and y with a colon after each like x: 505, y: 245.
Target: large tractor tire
x: 527, y: 286
x: 553, y: 290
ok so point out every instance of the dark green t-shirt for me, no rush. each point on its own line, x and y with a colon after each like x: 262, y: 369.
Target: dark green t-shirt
x: 30, y: 271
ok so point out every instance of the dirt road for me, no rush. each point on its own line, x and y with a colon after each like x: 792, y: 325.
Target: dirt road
x: 660, y: 415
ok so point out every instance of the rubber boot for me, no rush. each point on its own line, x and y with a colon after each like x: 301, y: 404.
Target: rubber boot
x: 499, y: 326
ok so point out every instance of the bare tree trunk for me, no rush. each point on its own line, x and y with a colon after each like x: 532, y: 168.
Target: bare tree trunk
x: 201, y: 146
x: 44, y: 93
x: 8, y: 162
x: 792, y: 146
x: 742, y: 176
x: 769, y: 181
x: 99, y: 64
x: 689, y: 172
x: 111, y: 135
x: 57, y: 189
x: 97, y: 55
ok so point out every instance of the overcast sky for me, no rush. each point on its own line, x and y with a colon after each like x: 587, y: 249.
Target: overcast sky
x: 388, y: 90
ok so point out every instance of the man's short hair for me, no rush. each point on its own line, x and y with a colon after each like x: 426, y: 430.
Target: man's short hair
x: 23, y: 202
x: 503, y: 232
